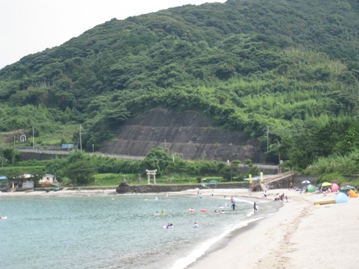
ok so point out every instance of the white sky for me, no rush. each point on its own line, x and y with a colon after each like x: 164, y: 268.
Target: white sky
x: 30, y: 26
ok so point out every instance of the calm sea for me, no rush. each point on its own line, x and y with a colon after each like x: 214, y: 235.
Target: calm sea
x: 113, y: 231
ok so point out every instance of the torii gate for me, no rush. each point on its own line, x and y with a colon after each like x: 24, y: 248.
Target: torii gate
x: 151, y: 173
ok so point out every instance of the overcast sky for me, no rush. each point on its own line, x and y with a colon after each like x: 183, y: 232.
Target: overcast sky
x: 30, y: 26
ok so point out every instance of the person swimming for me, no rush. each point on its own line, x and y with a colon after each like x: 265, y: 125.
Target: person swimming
x: 196, y: 225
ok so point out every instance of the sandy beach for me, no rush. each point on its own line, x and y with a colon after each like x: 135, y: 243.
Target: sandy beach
x: 299, y: 235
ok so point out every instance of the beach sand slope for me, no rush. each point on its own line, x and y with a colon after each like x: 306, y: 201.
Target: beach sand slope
x: 299, y: 235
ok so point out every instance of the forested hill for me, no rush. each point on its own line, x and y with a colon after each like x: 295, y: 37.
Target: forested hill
x: 292, y: 66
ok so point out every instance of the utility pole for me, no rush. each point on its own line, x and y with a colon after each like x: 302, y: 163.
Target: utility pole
x: 80, y: 139
x: 267, y: 136
x: 33, y: 140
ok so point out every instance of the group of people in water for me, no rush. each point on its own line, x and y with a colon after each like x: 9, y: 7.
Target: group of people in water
x: 233, y: 206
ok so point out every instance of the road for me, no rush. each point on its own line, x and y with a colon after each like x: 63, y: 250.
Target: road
x: 126, y: 157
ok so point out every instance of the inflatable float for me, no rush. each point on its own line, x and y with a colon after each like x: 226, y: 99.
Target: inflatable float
x: 203, y: 210
x: 325, y: 202
x: 191, y: 210
x: 2, y: 217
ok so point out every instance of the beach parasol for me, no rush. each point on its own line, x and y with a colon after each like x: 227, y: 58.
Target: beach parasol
x: 310, y: 188
x: 344, y: 189
x: 306, y: 182
x: 334, y: 187
x: 326, y: 184
x: 350, y: 187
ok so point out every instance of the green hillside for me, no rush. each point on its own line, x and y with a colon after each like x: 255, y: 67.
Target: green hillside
x: 290, y: 66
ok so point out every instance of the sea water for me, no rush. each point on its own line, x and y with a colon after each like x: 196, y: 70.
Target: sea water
x: 118, y: 231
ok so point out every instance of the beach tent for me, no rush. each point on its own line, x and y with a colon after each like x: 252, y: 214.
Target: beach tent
x: 353, y: 194
x: 310, y: 188
x: 326, y: 184
x: 306, y: 182
x: 334, y: 187
x: 344, y: 189
x: 351, y: 187
x: 341, y: 198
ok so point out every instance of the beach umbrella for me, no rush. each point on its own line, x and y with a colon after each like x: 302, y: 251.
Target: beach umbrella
x: 306, y: 182
x: 310, y: 188
x: 351, y: 187
x: 334, y: 187
x: 341, y: 198
x: 326, y: 184
x: 344, y: 189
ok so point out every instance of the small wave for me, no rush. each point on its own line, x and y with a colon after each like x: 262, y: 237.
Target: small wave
x: 200, y: 251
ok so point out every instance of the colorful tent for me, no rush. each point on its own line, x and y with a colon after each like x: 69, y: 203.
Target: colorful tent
x: 353, y: 194
x: 334, y: 187
x: 310, y: 188
x: 341, y: 198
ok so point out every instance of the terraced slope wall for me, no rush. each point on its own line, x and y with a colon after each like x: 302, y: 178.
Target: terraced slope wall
x: 188, y: 134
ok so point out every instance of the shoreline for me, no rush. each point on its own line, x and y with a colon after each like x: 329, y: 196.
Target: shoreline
x: 299, y: 234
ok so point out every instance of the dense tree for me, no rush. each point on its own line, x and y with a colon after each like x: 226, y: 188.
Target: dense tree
x: 244, y: 64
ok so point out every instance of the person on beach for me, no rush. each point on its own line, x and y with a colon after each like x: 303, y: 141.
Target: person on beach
x: 265, y: 194
x: 255, y: 208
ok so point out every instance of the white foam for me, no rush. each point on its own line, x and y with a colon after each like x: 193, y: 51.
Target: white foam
x: 202, y: 248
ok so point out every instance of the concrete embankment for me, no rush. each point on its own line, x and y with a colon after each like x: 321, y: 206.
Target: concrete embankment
x: 125, y: 188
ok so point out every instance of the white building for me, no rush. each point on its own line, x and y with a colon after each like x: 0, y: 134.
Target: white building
x: 48, y: 179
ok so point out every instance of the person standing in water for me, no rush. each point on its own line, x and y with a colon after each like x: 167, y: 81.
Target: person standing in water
x: 233, y: 206
x: 255, y: 208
